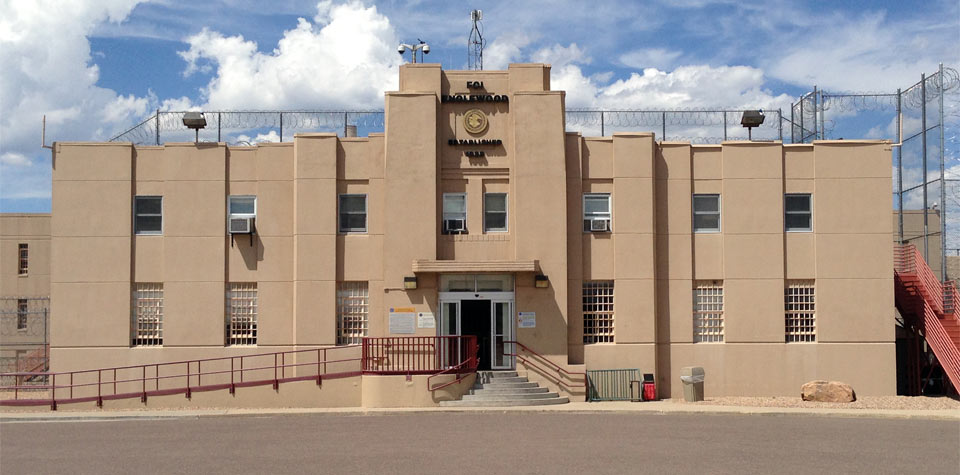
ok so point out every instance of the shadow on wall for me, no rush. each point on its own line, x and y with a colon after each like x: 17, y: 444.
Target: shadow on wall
x: 250, y: 247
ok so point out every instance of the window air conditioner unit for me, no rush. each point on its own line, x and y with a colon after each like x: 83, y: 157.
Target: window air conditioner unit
x: 241, y: 225
x: 454, y: 225
x: 599, y: 225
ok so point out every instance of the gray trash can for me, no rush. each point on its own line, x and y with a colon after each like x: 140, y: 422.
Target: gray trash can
x: 692, y: 378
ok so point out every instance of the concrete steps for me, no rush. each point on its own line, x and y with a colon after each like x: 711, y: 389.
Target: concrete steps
x: 506, y: 388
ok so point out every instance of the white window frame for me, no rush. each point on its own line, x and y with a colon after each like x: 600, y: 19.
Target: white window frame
x: 366, y: 214
x: 506, y: 213
x: 787, y: 212
x: 718, y: 212
x: 232, y: 214
x: 23, y: 314
x: 445, y: 215
x: 135, y: 215
x: 587, y: 217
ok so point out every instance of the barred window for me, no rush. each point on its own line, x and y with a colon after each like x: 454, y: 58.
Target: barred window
x: 708, y: 311
x: 241, y: 313
x: 800, y: 310
x: 23, y: 267
x: 598, y: 311
x: 148, y: 215
x: 146, y: 326
x: 22, y: 314
x: 352, y: 312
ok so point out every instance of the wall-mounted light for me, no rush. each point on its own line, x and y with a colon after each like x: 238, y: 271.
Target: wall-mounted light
x: 410, y: 283
x: 541, y: 281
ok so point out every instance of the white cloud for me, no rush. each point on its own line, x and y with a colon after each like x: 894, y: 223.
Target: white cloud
x: 687, y: 87
x: 506, y: 49
x: 271, y: 136
x: 15, y: 159
x: 48, y: 69
x: 659, y: 58
x: 559, y: 56
x: 869, y: 53
x: 348, y: 62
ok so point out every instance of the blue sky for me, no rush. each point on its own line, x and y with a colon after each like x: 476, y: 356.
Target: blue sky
x: 96, y: 67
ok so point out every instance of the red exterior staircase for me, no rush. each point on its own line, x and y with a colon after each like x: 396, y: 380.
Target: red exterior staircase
x: 929, y: 307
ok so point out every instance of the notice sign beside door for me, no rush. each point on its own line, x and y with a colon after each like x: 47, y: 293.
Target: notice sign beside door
x: 526, y: 319
x: 403, y: 320
x: 426, y: 320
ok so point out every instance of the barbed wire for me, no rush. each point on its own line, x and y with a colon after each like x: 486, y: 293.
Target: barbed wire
x: 229, y: 124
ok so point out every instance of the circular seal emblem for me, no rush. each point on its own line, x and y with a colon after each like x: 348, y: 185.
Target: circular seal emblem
x: 475, y: 121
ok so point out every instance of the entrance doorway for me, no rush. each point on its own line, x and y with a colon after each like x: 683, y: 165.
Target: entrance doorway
x: 468, y: 308
x: 475, y: 320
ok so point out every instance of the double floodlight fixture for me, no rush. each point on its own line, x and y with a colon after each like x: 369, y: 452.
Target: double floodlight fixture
x: 195, y: 121
x: 750, y: 120
x: 421, y: 46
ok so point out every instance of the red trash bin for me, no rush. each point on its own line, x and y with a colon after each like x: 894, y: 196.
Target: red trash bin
x: 649, y: 388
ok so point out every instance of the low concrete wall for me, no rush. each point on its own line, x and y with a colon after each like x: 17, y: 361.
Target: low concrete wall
x: 397, y: 391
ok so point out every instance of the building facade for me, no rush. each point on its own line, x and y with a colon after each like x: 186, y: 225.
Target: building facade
x: 476, y: 213
x: 24, y: 291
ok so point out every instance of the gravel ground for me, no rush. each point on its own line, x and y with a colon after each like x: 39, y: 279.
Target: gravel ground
x: 865, y: 402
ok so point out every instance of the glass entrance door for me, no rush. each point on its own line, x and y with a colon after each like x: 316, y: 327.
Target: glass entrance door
x: 449, y: 351
x: 501, y: 331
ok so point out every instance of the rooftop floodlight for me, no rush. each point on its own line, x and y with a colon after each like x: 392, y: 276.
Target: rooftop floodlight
x: 195, y: 121
x: 750, y: 120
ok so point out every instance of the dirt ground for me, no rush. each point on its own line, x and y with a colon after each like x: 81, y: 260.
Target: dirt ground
x: 865, y: 402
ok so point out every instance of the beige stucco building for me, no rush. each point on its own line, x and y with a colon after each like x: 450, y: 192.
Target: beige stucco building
x: 769, y: 265
x: 24, y: 289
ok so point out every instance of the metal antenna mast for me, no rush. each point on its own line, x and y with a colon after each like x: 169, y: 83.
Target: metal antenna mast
x: 476, y: 42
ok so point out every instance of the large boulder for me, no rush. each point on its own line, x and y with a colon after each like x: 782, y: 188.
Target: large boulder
x: 827, y: 391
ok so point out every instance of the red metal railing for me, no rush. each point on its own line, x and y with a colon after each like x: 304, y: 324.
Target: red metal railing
x: 416, y: 354
x: 929, y: 307
x: 377, y: 356
x: 557, y: 373
x: 468, y: 363
x: 185, y: 377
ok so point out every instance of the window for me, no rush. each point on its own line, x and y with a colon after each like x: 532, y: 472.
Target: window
x: 476, y: 283
x: 242, y: 206
x: 241, y: 313
x: 495, y: 212
x: 352, y: 312
x: 353, y: 213
x: 798, y: 214
x: 22, y: 314
x: 598, y: 311
x: 24, y: 262
x: 708, y: 312
x: 146, y: 326
x: 596, y: 212
x: 800, y: 310
x: 454, y: 213
x: 706, y: 213
x: 148, y: 215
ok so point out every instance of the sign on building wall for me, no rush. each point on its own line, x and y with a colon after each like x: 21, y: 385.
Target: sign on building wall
x: 527, y: 320
x: 402, y: 320
x: 426, y: 320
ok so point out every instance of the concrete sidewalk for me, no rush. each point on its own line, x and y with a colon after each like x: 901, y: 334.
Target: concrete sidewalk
x: 652, y: 407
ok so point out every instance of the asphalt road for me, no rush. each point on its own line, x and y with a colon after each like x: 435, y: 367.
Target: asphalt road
x: 488, y: 443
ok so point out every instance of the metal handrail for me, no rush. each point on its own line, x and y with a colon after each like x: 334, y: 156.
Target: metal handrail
x: 561, y: 372
x: 111, y: 383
